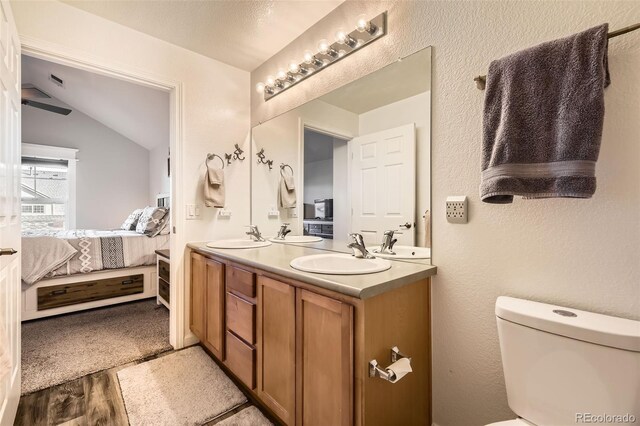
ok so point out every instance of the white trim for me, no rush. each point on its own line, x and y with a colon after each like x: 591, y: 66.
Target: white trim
x: 52, y: 52
x: 49, y: 152
x: 329, y: 131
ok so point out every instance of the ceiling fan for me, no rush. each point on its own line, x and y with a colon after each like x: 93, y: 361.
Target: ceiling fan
x: 29, y: 93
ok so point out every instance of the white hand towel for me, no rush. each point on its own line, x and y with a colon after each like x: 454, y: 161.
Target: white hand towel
x: 287, y: 193
x: 214, y: 187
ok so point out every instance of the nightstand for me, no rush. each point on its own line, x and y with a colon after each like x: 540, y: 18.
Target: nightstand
x: 163, y: 287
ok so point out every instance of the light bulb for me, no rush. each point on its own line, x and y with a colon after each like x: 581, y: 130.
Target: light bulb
x: 260, y: 87
x: 362, y: 23
x: 341, y: 36
x: 308, y: 56
x: 324, y: 46
x: 282, y: 74
x: 294, y: 67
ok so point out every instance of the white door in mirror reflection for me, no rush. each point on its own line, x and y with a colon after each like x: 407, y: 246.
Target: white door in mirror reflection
x: 383, y: 186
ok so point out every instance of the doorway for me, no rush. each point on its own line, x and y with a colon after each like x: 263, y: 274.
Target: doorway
x: 325, y: 194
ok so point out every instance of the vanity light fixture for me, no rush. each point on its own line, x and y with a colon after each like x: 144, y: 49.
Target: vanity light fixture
x: 346, y: 43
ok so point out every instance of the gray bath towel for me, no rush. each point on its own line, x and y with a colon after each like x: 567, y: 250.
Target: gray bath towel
x: 543, y: 115
x: 287, y: 193
x: 214, y: 193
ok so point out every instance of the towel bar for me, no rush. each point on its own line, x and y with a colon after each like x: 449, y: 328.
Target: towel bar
x: 481, y: 80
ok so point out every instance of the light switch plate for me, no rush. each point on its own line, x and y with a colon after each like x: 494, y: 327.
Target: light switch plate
x: 192, y: 211
x: 273, y: 213
x: 457, y: 209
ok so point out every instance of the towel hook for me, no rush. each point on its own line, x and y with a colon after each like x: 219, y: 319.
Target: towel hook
x: 211, y: 157
x: 282, y: 167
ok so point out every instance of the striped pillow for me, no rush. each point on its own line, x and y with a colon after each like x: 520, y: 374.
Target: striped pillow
x: 152, y: 221
x: 132, y: 221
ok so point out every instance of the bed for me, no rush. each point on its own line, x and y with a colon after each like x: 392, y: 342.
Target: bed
x: 103, y: 267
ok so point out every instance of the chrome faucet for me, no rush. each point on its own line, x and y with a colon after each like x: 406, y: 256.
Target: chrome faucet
x: 358, y: 247
x: 284, y: 230
x: 388, y: 242
x: 255, y: 233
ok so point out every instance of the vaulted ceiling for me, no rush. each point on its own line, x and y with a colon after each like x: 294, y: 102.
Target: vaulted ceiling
x: 243, y: 34
x: 138, y: 113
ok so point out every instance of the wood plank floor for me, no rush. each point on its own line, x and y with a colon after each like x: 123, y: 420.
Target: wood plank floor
x: 93, y: 400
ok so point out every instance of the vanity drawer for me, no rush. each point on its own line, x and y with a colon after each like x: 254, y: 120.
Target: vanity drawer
x: 241, y: 281
x: 164, y: 270
x: 241, y: 359
x: 241, y: 318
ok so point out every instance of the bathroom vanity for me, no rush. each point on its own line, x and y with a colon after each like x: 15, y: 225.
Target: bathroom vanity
x: 301, y: 343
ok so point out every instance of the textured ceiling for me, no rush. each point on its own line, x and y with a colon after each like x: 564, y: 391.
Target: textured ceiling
x: 138, y: 113
x: 240, y: 33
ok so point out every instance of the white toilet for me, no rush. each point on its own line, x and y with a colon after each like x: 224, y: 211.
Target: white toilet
x: 563, y: 366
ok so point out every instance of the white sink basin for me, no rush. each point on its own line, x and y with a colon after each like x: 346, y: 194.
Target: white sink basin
x: 238, y: 243
x: 339, y: 264
x: 297, y: 239
x: 405, y: 252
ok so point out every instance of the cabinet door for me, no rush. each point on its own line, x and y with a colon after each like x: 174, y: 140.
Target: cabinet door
x: 276, y: 347
x: 197, y: 319
x: 324, y: 361
x: 214, y: 308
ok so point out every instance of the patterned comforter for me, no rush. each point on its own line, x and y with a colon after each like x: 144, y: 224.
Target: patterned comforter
x: 99, y: 250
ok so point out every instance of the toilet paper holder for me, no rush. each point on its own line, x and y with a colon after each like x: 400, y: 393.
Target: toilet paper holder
x: 383, y: 373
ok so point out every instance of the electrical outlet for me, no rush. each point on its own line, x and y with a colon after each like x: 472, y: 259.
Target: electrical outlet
x: 224, y: 213
x: 457, y: 209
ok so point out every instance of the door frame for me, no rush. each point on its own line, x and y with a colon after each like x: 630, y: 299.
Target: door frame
x: 41, y: 49
x: 325, y: 130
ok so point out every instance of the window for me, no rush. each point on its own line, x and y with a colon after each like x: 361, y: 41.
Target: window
x: 48, y: 186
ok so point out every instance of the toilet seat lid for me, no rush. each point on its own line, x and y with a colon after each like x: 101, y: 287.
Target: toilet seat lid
x: 514, y: 422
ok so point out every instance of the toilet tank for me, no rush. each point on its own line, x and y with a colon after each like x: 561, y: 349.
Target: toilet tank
x: 565, y: 366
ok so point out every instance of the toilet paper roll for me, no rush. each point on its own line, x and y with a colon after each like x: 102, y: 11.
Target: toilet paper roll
x: 399, y: 369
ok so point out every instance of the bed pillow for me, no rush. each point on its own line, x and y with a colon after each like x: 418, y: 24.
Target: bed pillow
x: 132, y: 221
x: 152, y: 221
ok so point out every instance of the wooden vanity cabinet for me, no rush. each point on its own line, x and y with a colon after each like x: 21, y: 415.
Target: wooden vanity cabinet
x: 303, y: 352
x: 324, y: 360
x: 207, y: 303
x: 277, y: 347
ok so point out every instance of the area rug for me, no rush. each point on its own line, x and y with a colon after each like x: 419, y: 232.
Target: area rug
x: 182, y: 388
x: 250, y: 416
x: 56, y: 350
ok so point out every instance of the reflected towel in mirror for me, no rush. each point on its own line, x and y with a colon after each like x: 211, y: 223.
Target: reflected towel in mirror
x: 287, y: 192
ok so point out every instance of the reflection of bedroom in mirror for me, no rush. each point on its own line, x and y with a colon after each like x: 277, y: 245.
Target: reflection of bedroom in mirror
x: 95, y: 222
x: 356, y: 155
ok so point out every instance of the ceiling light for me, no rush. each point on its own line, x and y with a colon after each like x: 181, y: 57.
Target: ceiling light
x: 367, y: 31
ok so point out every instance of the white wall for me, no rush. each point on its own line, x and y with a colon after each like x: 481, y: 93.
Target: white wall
x: 581, y: 253
x: 112, y: 175
x: 159, y: 180
x: 214, y: 96
x: 415, y: 109
x: 318, y: 180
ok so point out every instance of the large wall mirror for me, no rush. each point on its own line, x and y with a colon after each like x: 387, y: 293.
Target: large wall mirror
x: 357, y: 159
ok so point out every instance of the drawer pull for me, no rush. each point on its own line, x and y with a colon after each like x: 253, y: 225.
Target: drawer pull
x: 58, y: 292
x: 126, y: 282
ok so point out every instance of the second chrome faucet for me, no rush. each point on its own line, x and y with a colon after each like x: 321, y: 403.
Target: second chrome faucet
x: 357, y: 245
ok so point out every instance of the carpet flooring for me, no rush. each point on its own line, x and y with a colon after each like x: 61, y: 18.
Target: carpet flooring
x: 59, y: 349
x: 183, y: 388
